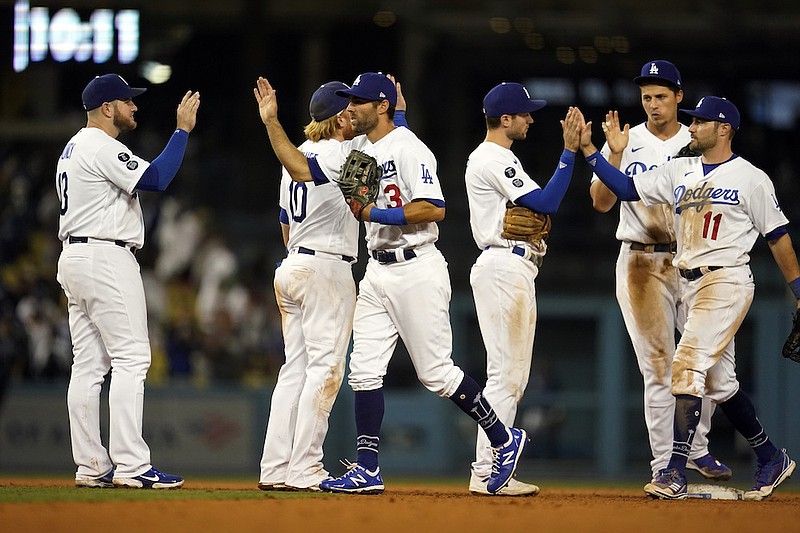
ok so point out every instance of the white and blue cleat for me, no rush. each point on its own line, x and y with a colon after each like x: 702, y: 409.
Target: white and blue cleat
x: 357, y: 480
x: 152, y: 479
x: 106, y: 481
x: 505, y: 459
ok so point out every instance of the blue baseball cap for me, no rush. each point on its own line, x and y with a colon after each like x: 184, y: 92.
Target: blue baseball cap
x: 325, y: 103
x: 107, y: 88
x: 717, y: 109
x: 372, y: 86
x: 510, y: 98
x: 659, y: 72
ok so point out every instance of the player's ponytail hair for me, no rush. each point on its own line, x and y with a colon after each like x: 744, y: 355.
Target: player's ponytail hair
x: 317, y: 131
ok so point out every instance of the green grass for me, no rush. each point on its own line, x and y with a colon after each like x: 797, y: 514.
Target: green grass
x: 71, y: 494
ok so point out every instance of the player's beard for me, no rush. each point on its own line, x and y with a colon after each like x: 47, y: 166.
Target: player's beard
x: 702, y: 145
x: 518, y: 135
x: 364, y: 123
x: 123, y: 123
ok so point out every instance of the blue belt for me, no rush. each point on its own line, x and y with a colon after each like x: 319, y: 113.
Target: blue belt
x: 520, y: 251
x: 309, y: 251
x: 696, y: 273
x: 386, y: 256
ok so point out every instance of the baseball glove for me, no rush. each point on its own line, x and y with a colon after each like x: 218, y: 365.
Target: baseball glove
x: 791, y: 348
x: 523, y: 224
x: 686, y: 152
x: 359, y: 180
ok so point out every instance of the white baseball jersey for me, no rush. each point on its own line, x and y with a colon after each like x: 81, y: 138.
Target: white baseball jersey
x: 718, y: 215
x: 409, y: 173
x: 637, y: 222
x: 316, y: 296
x: 646, y: 289
x: 319, y: 218
x: 494, y: 175
x: 95, y: 179
x: 503, y: 286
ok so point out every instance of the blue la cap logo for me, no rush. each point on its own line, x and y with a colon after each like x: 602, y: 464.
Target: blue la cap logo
x: 716, y: 109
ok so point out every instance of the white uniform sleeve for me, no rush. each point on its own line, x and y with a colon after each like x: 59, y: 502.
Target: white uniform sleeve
x: 330, y: 160
x: 418, y: 170
x: 115, y: 161
x: 509, y: 178
x: 656, y: 186
x: 283, y: 199
x: 765, y: 211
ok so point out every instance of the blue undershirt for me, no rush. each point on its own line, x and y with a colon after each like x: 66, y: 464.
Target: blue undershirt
x: 548, y: 199
x: 619, y: 182
x: 164, y: 167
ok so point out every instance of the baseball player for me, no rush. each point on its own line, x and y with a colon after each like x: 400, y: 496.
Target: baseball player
x: 721, y: 203
x: 503, y: 277
x: 101, y: 226
x: 405, y: 291
x: 316, y: 296
x: 645, y: 279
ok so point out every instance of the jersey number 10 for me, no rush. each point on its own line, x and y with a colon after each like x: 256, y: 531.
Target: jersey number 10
x: 298, y: 200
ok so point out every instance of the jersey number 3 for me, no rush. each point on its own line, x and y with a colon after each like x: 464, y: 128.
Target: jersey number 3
x: 712, y: 223
x: 393, y: 192
x: 61, y: 182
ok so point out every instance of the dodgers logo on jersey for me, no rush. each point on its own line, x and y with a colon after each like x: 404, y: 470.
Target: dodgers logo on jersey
x: 637, y: 167
x: 510, y: 172
x: 705, y: 194
x: 389, y: 169
x: 426, y: 175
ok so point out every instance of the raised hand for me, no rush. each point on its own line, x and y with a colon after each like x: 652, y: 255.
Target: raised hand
x: 187, y: 111
x: 401, y: 100
x: 572, y: 126
x: 617, y: 139
x: 266, y: 98
x: 587, y: 147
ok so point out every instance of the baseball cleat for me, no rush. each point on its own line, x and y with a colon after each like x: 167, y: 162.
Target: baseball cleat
x: 668, y: 484
x: 273, y: 486
x: 152, y: 479
x: 357, y: 480
x: 710, y: 468
x: 106, y: 481
x: 769, y: 476
x: 477, y: 486
x: 505, y: 459
x: 311, y: 488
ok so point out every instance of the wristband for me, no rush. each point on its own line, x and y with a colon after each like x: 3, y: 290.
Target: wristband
x: 393, y: 216
x: 795, y: 286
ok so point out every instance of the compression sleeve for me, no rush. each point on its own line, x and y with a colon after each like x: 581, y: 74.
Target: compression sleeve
x: 400, y: 118
x: 164, y: 167
x: 619, y: 183
x: 548, y: 199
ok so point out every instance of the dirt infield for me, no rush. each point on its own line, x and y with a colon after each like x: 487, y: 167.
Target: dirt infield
x: 405, y: 508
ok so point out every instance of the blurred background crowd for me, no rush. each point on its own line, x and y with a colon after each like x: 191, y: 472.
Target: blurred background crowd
x: 213, y: 239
